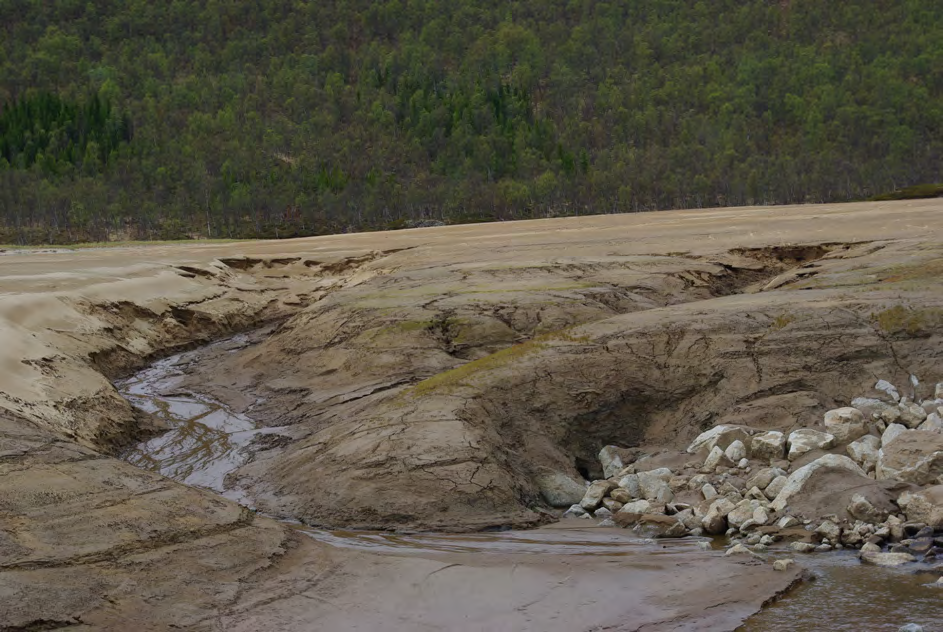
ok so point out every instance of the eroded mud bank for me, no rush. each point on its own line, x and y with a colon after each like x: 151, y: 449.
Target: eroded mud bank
x: 430, y: 376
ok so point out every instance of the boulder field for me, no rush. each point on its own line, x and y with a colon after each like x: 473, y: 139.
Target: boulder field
x: 733, y: 370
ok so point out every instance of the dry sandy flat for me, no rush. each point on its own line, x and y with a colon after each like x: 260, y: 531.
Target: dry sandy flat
x: 427, y: 379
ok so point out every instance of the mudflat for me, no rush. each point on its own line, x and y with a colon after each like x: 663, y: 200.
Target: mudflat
x: 431, y: 380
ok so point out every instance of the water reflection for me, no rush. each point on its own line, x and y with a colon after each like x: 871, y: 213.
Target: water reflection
x: 205, y: 442
x: 848, y: 596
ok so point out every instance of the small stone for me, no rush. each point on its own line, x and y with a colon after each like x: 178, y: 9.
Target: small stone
x: 784, y: 564
x: 759, y: 547
x: 910, y: 627
x: 608, y: 522
x: 574, y: 511
x: 738, y: 549
x: 716, y: 459
x: 887, y: 388
x: 595, y: 493
x: 611, y: 460
x: 602, y: 513
x: 787, y: 522
x: 823, y: 548
x: 708, y: 491
x: 767, y: 540
x: 912, y: 415
x: 760, y: 516
x: 621, y: 495
x: 743, y: 464
x: 864, y: 451
x: 934, y: 423
x: 736, y: 451
x: 887, y: 559
x: 637, y: 507
x: 867, y: 547
x: 705, y: 546
x: 802, y: 547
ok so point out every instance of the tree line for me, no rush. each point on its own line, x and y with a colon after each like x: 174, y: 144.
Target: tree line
x: 278, y: 118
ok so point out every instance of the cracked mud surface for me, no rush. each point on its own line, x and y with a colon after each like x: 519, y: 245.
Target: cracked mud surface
x: 424, y: 378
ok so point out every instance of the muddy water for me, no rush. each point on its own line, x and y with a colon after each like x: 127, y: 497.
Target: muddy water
x: 206, y: 441
x: 848, y: 596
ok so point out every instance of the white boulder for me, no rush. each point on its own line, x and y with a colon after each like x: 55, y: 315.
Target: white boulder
x: 798, y: 479
x: 925, y: 506
x: 559, y: 489
x: 845, y: 424
x: 892, y: 432
x: 864, y: 451
x: 805, y: 440
x: 770, y: 446
x: 736, y: 451
x: 718, y: 436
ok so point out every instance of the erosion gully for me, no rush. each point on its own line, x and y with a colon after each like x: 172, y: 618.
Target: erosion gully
x: 205, y: 441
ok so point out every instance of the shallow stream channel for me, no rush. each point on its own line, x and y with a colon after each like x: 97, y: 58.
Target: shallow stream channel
x: 205, y: 441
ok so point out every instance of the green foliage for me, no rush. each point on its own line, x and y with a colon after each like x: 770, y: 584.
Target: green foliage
x: 274, y: 119
x: 44, y: 129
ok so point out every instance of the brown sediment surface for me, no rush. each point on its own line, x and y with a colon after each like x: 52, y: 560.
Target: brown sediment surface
x: 423, y: 379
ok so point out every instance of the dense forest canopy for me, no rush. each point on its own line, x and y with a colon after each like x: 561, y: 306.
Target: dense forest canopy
x: 243, y: 118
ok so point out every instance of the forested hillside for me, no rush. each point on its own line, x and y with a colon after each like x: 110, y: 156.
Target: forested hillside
x: 243, y: 118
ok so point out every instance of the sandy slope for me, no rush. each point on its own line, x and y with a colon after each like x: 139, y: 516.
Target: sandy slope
x: 671, y: 320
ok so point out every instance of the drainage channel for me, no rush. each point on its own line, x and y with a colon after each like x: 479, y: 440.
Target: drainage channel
x: 206, y: 441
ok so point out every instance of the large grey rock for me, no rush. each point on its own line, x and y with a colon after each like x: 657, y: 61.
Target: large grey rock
x: 637, y: 507
x: 845, y: 424
x: 888, y: 389
x: 887, y: 559
x: 611, y: 460
x: 659, y: 526
x: 805, y: 440
x: 621, y: 495
x: 892, y: 432
x: 630, y: 483
x: 798, y: 479
x: 925, y: 506
x: 864, y: 452
x: 741, y: 513
x: 769, y: 446
x: 654, y: 487
x: 776, y: 486
x: 715, y: 521
x: 595, y: 493
x: 559, y: 489
x: 763, y: 477
x: 862, y: 509
x: 933, y: 423
x: 718, y: 436
x: 913, y: 457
